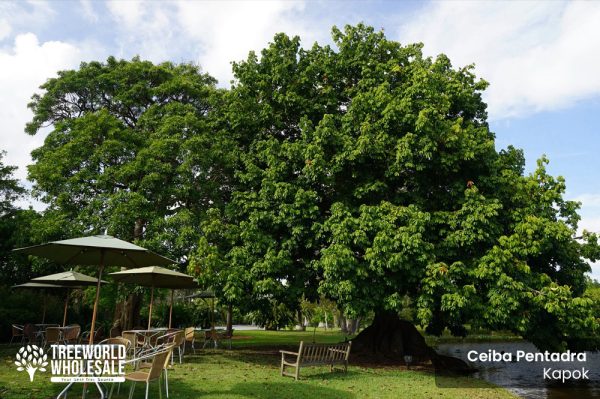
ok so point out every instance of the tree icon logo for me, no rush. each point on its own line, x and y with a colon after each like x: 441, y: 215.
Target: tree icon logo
x: 31, y: 358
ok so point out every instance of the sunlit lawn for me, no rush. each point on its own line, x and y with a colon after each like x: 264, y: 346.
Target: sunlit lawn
x: 251, y: 370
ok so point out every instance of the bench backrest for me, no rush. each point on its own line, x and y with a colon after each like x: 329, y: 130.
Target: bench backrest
x: 323, y: 353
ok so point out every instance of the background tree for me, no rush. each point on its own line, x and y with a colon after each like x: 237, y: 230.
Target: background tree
x: 133, y: 151
x: 371, y: 176
x: 16, y: 228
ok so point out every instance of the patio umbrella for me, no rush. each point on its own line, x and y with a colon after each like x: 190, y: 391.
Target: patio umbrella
x: 156, y: 277
x: 42, y: 287
x: 98, y: 250
x: 68, y: 280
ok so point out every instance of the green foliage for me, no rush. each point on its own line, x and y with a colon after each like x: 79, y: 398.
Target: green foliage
x: 365, y: 173
x: 133, y: 151
x: 369, y: 174
x: 18, y: 228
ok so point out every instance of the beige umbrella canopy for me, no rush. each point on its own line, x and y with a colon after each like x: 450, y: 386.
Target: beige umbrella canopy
x: 156, y: 277
x: 42, y: 287
x: 68, y: 280
x: 98, y: 250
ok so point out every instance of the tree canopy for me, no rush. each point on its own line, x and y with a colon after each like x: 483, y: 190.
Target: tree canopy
x: 133, y: 151
x: 363, y: 172
x: 371, y: 175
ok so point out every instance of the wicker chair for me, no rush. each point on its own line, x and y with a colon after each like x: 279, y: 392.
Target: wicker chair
x: 154, y: 372
x: 71, y: 335
x: 115, y: 332
x: 225, y: 336
x: 52, y: 336
x: 17, y: 332
x: 136, y: 341
x: 176, y: 338
x: 190, y: 337
x: 98, y: 333
x: 31, y: 333
x: 116, y: 341
x: 147, y: 365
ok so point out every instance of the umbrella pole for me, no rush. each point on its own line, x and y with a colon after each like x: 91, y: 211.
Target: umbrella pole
x: 150, y: 311
x: 171, y: 309
x: 44, y: 307
x: 66, y: 304
x: 97, y: 297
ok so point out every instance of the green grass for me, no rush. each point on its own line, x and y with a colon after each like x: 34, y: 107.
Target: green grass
x: 250, y: 339
x: 251, y: 370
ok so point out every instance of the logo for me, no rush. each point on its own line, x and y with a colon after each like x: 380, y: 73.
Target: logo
x: 31, y: 358
x: 88, y: 363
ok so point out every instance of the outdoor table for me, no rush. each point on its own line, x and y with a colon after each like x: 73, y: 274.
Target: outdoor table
x: 148, y: 334
x: 62, y: 331
x: 213, y: 336
x: 44, y: 325
x: 41, y: 329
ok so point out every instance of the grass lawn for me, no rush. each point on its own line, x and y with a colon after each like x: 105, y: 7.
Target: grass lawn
x: 251, y: 370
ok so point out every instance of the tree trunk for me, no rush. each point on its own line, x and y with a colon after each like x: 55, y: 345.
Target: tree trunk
x: 300, y: 320
x: 342, y: 323
x: 138, y: 228
x: 390, y: 338
x: 127, y: 313
x: 229, y: 318
x: 352, y: 326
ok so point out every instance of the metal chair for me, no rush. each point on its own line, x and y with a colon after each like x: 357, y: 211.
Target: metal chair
x: 84, y: 338
x: 52, y: 336
x: 225, y: 336
x: 71, y: 334
x: 17, y: 332
x: 115, y: 332
x: 177, y: 339
x: 116, y: 341
x: 133, y: 341
x: 154, y: 373
x: 190, y: 337
x: 31, y: 333
x: 146, y: 365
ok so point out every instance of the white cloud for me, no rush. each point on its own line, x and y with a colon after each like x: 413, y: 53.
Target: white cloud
x: 589, y: 200
x: 536, y: 55
x: 128, y: 12
x: 25, y: 67
x: 211, y: 33
x: 590, y: 223
x: 89, y: 13
x: 16, y: 17
x: 227, y: 31
x: 5, y: 28
x: 147, y: 29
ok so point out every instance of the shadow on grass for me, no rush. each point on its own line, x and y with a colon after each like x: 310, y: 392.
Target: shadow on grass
x: 320, y: 374
x: 258, y: 357
x: 282, y: 390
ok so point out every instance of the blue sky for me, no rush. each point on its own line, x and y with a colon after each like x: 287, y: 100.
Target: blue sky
x: 540, y: 58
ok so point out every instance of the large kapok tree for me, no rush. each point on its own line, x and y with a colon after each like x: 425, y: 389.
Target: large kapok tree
x: 372, y: 175
x: 133, y: 150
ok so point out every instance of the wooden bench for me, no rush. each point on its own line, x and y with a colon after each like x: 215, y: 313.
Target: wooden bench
x: 315, y: 355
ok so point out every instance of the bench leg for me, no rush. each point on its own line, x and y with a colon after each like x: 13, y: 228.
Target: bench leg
x: 297, y: 375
